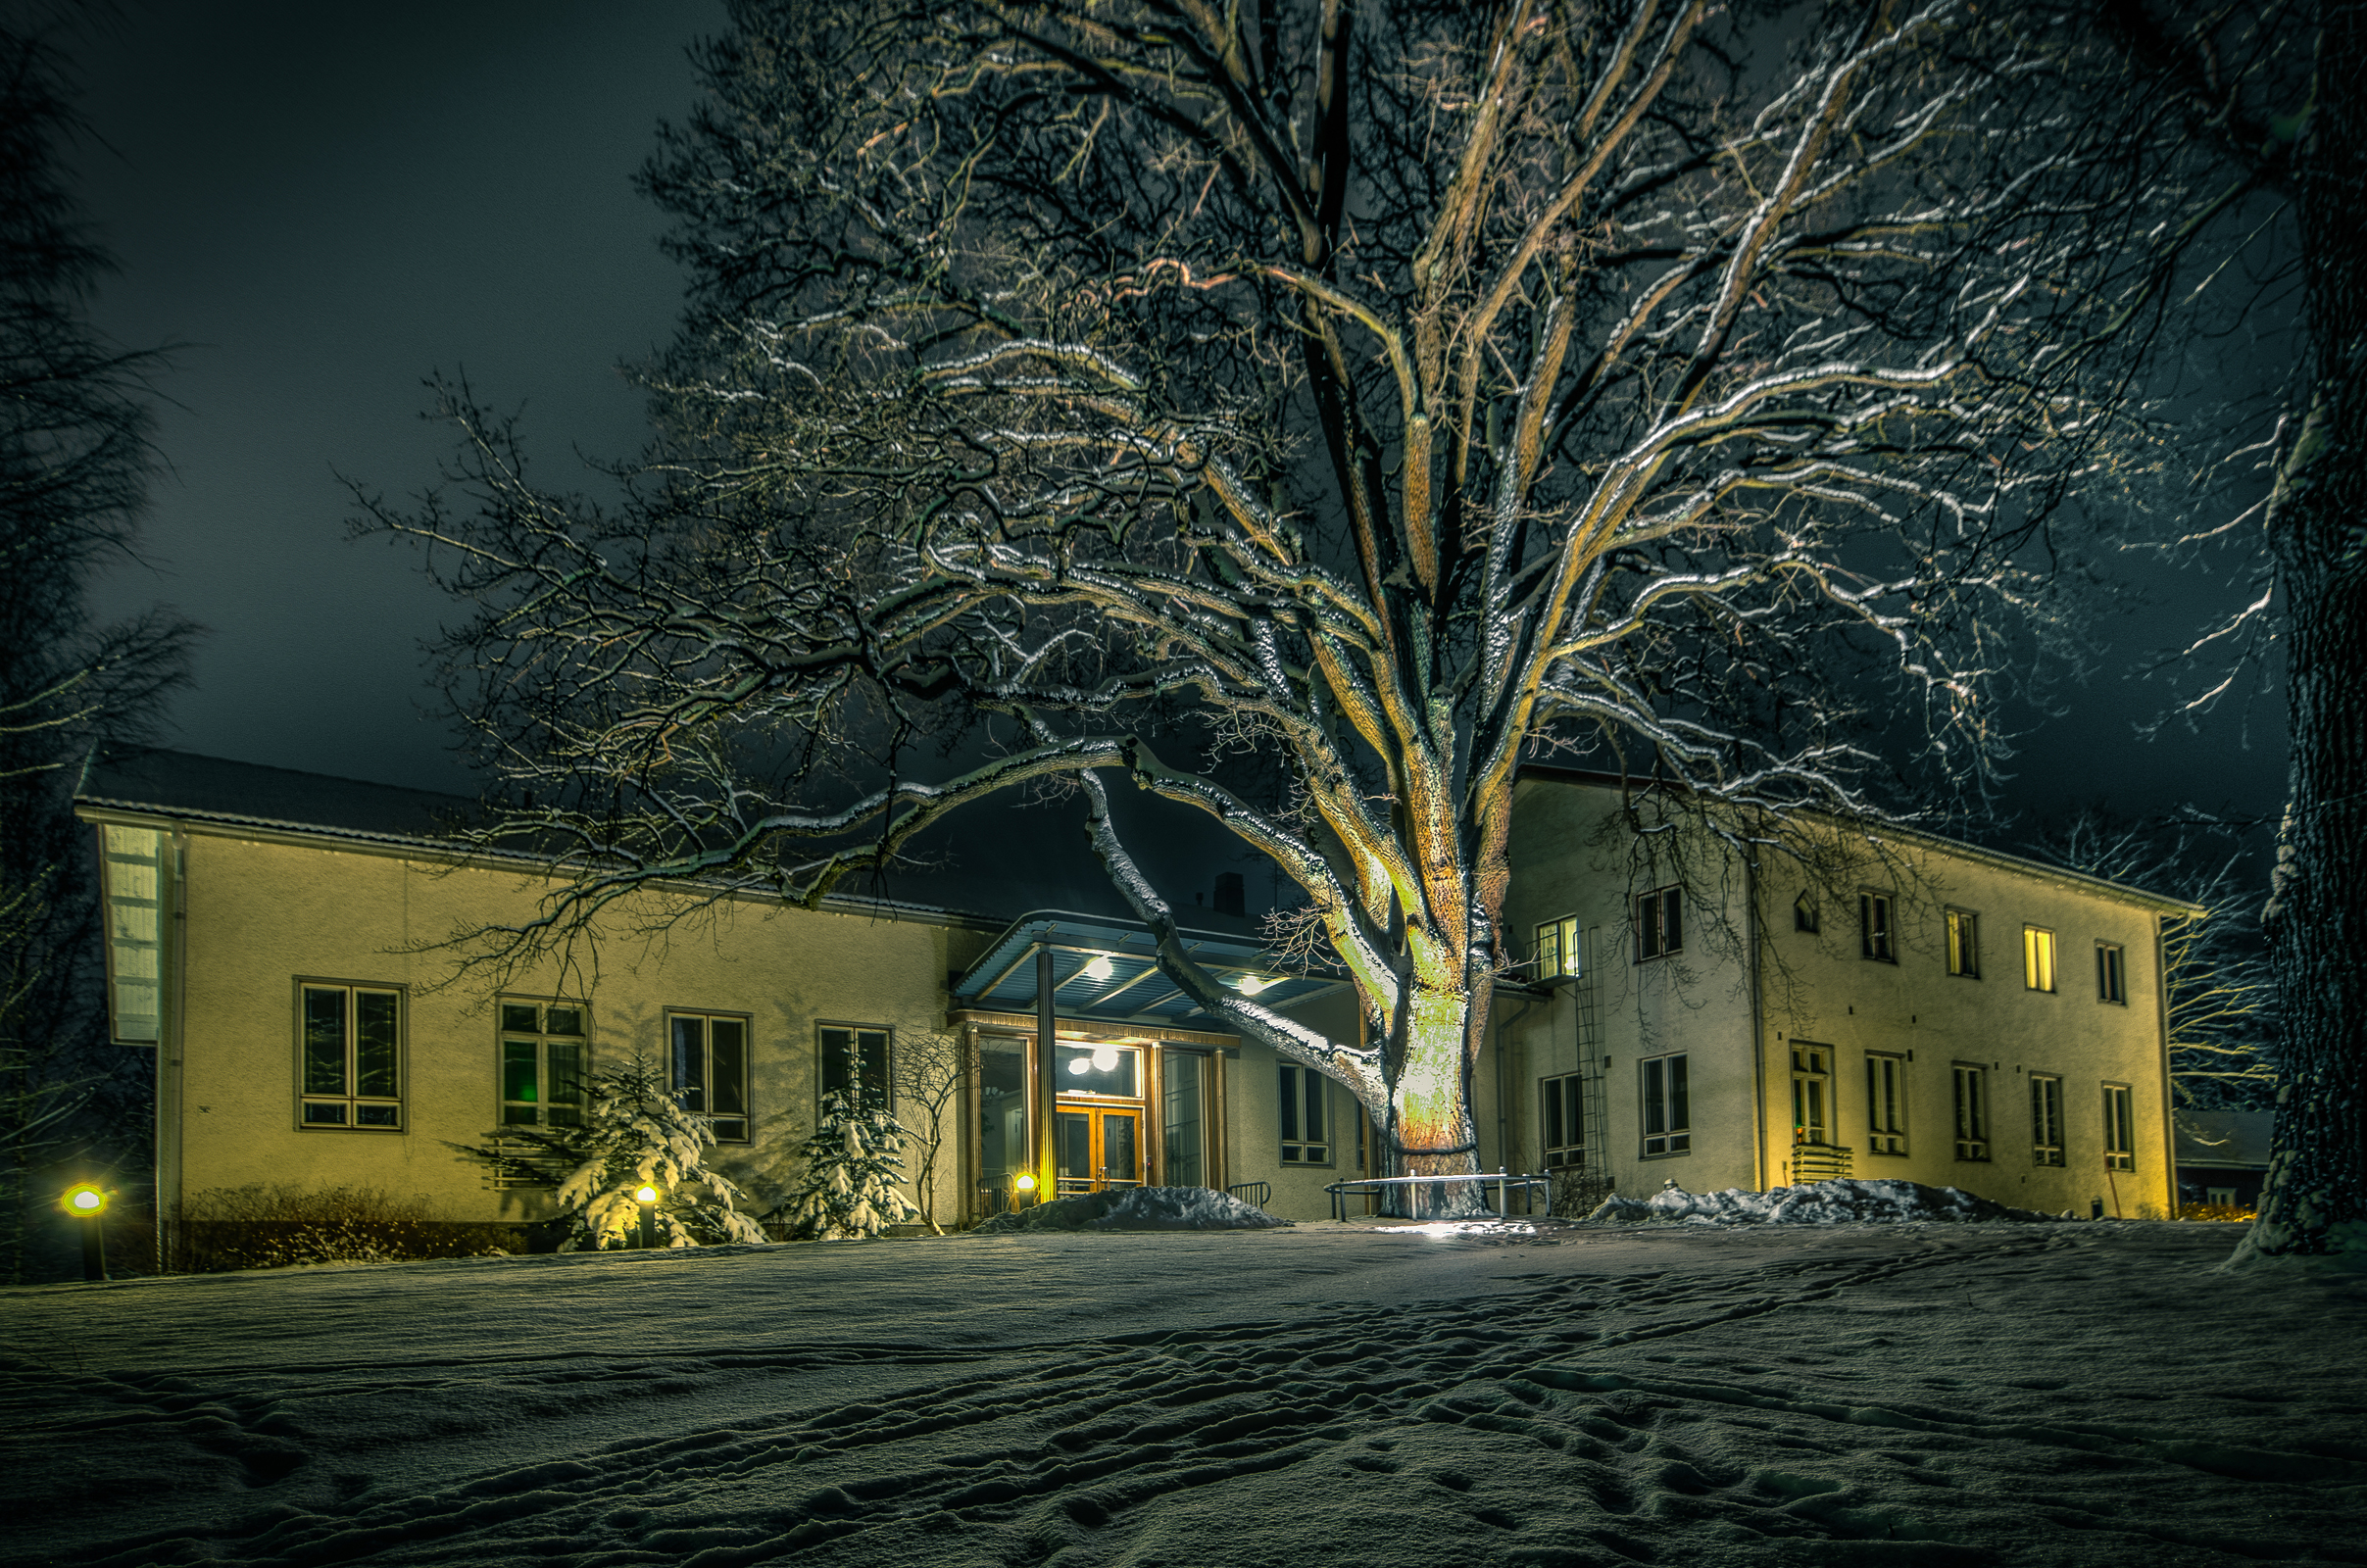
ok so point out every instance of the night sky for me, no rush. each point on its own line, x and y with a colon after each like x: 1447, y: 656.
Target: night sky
x: 326, y: 205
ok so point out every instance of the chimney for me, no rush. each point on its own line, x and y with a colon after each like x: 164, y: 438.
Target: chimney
x: 1228, y: 899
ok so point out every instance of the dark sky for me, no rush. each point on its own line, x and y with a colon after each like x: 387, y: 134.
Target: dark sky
x: 327, y: 204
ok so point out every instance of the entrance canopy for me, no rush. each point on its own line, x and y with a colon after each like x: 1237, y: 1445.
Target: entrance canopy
x: 1106, y: 969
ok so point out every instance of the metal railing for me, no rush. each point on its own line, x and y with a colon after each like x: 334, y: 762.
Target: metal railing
x: 1264, y: 1193
x: 1500, y: 1180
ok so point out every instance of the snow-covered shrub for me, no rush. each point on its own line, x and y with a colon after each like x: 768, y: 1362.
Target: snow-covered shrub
x: 853, y: 1163
x: 635, y: 1133
x: 285, y: 1224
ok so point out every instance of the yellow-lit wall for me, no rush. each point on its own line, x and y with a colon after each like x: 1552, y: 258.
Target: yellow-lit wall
x: 267, y: 911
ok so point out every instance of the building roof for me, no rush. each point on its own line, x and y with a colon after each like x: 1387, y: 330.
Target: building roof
x: 215, y: 789
x: 2061, y: 876
x: 1106, y: 970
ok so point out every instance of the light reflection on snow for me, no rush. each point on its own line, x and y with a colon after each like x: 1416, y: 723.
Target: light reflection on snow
x: 1462, y: 1227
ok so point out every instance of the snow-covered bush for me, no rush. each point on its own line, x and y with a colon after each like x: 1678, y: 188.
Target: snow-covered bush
x: 634, y: 1133
x: 853, y: 1163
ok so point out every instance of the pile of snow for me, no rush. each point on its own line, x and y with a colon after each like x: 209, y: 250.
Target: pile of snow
x: 1835, y: 1202
x: 1138, y: 1208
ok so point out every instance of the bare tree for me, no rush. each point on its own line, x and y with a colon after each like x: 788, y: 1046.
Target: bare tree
x: 931, y: 1070
x: 74, y: 469
x: 1387, y: 392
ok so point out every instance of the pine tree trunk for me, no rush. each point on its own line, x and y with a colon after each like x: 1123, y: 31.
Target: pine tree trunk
x: 2315, y: 1198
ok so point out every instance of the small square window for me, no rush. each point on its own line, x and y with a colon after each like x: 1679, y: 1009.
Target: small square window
x: 349, y: 1055
x: 857, y: 1061
x: 2110, y: 983
x: 1804, y: 913
x: 1556, y: 947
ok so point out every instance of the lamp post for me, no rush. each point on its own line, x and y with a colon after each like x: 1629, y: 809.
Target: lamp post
x: 86, y: 1201
x: 647, y: 1197
x: 1023, y: 1187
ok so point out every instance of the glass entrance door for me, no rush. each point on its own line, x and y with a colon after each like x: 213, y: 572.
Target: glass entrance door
x: 1100, y: 1149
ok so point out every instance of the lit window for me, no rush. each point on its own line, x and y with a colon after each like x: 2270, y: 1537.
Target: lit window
x: 350, y: 1057
x: 1964, y: 944
x: 1564, y: 1102
x: 1972, y: 1111
x: 2046, y: 1120
x: 1557, y: 948
x: 542, y: 1046
x: 2037, y: 958
x: 709, y: 1070
x: 857, y: 1061
x: 1659, y: 924
x: 1811, y: 1093
x: 1304, y: 1140
x: 1885, y: 1102
x: 1876, y: 936
x: 2120, y: 1128
x: 2109, y: 984
x: 1667, y: 1107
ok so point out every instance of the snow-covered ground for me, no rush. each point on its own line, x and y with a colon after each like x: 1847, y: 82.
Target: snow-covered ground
x: 1318, y: 1397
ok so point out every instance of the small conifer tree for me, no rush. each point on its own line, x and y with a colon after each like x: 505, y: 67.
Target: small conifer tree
x: 853, y: 1163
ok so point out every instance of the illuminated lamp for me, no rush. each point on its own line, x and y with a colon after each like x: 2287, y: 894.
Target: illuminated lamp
x: 86, y: 1201
x: 647, y: 1197
x: 1100, y: 968
x: 1105, y: 1059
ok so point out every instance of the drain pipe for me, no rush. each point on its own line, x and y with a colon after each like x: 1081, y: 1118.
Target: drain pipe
x: 1759, y: 1026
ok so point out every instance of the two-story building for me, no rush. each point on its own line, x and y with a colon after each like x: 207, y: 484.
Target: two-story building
x: 1897, y: 1006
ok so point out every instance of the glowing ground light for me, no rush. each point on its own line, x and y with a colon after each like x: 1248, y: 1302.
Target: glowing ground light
x: 645, y: 1195
x: 86, y: 1201
x: 1025, y: 1183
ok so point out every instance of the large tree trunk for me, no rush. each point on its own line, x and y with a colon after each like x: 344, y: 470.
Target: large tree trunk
x: 2315, y: 1198
x: 1431, y: 1130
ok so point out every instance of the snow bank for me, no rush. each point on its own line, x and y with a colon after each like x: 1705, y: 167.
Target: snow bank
x: 1139, y: 1208
x: 1834, y: 1203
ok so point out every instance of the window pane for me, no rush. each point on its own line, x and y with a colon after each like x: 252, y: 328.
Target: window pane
x: 1180, y: 1136
x: 690, y: 1063
x: 324, y: 1044
x: 1289, y: 1105
x: 374, y: 1057
x: 1656, y: 1107
x: 564, y: 1107
x: 1552, y: 1113
x: 872, y: 1045
x: 1571, y: 1089
x: 518, y: 1017
x: 837, y: 1079
x: 1314, y: 1105
x: 1680, y: 1111
x: 1117, y: 1149
x: 563, y: 1021
x: 377, y: 1116
x: 517, y: 1074
x: 727, y: 1060
x: 324, y: 1116
x: 1673, y: 926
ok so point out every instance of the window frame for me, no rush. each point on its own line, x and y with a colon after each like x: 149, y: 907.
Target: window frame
x: 1307, y: 1091
x: 351, y: 1100
x: 1561, y: 1098
x: 546, y: 1078
x: 1805, y: 914
x: 1878, y: 939
x: 2046, y: 1116
x: 2037, y: 941
x: 134, y: 927
x: 825, y: 1056
x: 2111, y: 973
x: 1813, y: 1100
x: 1964, y: 940
x: 1974, y: 1142
x: 1659, y: 918
x: 1673, y: 1105
x: 709, y: 1017
x: 1566, y: 960
x: 2120, y: 1132
x: 1886, y: 1112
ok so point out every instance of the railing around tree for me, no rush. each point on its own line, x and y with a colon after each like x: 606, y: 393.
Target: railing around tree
x: 1500, y: 1180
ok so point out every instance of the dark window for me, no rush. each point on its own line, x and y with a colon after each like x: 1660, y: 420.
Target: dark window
x: 1804, y: 913
x: 2046, y: 1120
x: 1875, y: 934
x: 2120, y: 1128
x: 1659, y: 924
x: 1885, y: 1102
x: 1305, y: 1141
x: 1668, y: 1107
x: 542, y: 1064
x: 851, y: 1052
x: 1972, y: 1112
x: 2109, y: 986
x: 1564, y: 1124
x: 710, y: 1070
x: 349, y: 1053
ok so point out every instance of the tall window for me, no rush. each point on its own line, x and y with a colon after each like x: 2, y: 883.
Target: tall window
x: 349, y: 1053
x: 1972, y: 1111
x: 2120, y: 1128
x: 1811, y: 1093
x: 2045, y: 1118
x: 2109, y: 986
x: 710, y: 1070
x: 2037, y: 958
x: 1876, y: 936
x: 135, y: 884
x: 1885, y: 1102
x: 1659, y: 924
x: 1964, y: 944
x: 1564, y: 1127
x: 1303, y: 1141
x: 1557, y: 948
x: 858, y: 1063
x: 542, y: 1046
x: 1667, y: 1107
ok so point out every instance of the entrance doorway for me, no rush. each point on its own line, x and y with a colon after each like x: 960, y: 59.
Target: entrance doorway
x: 1100, y: 1149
